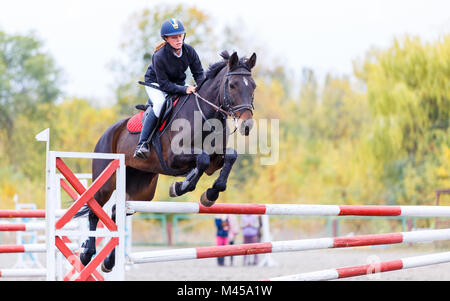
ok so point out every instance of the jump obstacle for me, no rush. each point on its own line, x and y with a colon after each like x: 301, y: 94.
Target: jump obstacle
x: 59, y: 226
x: 289, y: 209
x: 57, y: 234
x: 282, y: 246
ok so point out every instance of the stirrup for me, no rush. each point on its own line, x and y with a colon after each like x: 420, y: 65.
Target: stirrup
x: 141, y: 151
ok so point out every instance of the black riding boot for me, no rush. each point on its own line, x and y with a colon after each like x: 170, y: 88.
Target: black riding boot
x: 149, y: 123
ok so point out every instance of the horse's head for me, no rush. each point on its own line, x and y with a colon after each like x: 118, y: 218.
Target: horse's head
x: 238, y: 90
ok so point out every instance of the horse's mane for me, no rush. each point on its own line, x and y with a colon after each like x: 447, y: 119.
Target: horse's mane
x: 215, y: 68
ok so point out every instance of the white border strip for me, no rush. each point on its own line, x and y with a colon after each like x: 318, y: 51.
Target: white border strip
x: 5, y: 273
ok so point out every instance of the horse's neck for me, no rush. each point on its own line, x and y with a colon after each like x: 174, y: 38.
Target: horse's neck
x: 211, y: 89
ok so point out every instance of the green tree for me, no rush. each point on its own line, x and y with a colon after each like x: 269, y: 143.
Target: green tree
x: 28, y: 77
x: 29, y: 85
x: 408, y: 87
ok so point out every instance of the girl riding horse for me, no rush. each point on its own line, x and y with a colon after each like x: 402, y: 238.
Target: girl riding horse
x: 226, y: 90
x: 166, y: 75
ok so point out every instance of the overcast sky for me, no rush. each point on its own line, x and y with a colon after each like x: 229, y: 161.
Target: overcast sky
x: 325, y: 35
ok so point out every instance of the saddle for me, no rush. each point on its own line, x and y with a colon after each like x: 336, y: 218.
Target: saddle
x: 166, y: 116
x: 134, y: 124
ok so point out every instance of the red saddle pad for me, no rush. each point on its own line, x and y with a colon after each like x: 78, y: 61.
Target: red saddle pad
x: 134, y: 124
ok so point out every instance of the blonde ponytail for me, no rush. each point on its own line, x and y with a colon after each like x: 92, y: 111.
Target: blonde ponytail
x: 160, y: 45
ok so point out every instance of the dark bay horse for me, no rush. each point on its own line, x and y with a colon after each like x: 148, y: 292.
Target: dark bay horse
x: 227, y: 90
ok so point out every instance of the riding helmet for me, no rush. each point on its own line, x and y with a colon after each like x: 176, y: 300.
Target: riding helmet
x: 172, y: 27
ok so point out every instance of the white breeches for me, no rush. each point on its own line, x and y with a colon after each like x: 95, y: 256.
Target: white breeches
x: 157, y: 97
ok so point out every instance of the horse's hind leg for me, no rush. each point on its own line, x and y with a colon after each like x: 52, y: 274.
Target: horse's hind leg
x: 136, y: 179
x: 89, y: 245
x: 212, y: 194
x: 110, y: 260
x: 102, y: 196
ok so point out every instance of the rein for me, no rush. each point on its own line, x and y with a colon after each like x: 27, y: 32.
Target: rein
x: 229, y: 109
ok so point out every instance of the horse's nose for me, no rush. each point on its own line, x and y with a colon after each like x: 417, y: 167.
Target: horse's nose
x: 246, y: 127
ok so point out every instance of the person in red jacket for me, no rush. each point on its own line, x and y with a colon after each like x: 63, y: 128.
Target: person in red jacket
x: 222, y: 225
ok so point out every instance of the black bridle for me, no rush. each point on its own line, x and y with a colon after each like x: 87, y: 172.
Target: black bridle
x: 227, y: 108
x: 228, y: 101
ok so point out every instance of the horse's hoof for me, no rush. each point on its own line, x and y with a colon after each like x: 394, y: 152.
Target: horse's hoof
x: 173, y: 190
x: 105, y: 269
x: 204, y: 200
x: 85, y: 258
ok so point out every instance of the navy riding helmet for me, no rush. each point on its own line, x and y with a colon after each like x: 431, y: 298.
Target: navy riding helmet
x: 172, y: 27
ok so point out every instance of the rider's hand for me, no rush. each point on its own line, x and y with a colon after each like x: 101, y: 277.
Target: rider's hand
x: 190, y: 89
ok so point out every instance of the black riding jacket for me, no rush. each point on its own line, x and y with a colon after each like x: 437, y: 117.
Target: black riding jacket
x: 169, y: 71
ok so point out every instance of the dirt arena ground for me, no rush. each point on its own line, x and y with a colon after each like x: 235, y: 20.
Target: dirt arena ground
x: 287, y: 264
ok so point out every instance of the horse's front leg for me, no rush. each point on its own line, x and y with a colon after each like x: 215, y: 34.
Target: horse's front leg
x: 179, y: 188
x: 210, y: 196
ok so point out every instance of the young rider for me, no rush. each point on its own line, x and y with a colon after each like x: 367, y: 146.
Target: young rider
x: 166, y: 74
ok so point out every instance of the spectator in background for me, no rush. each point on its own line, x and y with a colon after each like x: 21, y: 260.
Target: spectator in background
x: 222, y: 225
x: 250, y: 226
x: 233, y: 231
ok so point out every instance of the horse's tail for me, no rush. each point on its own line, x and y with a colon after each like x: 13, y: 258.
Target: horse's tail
x: 106, y: 144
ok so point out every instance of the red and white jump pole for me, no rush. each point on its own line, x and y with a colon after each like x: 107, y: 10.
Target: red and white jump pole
x: 31, y: 213
x: 28, y: 248
x: 30, y: 226
x: 291, y: 245
x: 10, y: 213
x: 288, y: 209
x: 360, y: 270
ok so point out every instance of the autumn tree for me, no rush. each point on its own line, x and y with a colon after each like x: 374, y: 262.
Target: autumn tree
x: 408, y: 88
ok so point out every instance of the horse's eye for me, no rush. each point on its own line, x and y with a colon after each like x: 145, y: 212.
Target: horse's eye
x: 231, y: 86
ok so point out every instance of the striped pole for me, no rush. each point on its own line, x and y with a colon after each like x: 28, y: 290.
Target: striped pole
x: 5, y: 273
x: 30, y: 226
x: 290, y: 245
x: 5, y: 213
x: 31, y: 213
x: 22, y: 226
x: 288, y: 209
x: 380, y: 267
x: 28, y: 248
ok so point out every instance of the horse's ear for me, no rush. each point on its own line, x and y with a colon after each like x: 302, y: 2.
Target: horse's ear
x: 233, y: 61
x: 251, y: 62
x: 225, y: 55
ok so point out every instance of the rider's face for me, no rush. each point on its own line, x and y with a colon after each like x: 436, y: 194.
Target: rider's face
x: 175, y: 41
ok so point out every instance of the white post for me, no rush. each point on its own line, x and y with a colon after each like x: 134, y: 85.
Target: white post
x: 266, y: 237
x: 50, y: 215
x: 120, y: 219
x: 118, y: 197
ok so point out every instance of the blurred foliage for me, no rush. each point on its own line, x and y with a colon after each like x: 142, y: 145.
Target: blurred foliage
x: 379, y: 136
